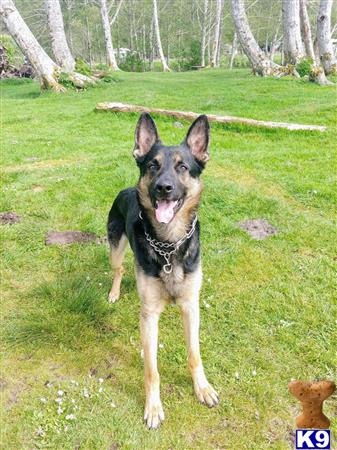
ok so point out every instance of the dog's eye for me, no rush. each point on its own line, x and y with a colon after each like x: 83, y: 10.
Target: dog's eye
x: 183, y: 168
x: 153, y: 167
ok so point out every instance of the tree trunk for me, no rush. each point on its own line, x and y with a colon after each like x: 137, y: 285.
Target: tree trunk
x: 216, y: 41
x: 325, y: 49
x: 44, y: 66
x: 292, y: 41
x: 234, y: 50
x: 306, y: 31
x: 261, y: 65
x: 59, y: 43
x: 110, y: 54
x: 157, y: 33
x: 203, y: 33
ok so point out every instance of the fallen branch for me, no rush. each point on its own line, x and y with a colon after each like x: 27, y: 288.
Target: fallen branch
x: 121, y: 107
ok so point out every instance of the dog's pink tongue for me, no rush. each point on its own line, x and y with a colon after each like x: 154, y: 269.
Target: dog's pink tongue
x: 164, y: 211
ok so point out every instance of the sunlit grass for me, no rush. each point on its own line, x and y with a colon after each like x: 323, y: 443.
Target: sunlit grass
x: 268, y: 309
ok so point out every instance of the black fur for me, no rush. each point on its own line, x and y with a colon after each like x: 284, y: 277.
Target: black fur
x: 124, y: 218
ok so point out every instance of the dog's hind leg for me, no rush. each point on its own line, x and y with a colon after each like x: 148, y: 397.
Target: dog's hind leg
x: 116, y: 261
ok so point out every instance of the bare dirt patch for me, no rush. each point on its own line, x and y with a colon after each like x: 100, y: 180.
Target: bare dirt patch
x: 258, y: 228
x: 9, y: 218
x: 69, y: 237
x: 37, y: 189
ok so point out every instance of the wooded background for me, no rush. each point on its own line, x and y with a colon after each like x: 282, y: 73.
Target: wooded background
x: 272, y: 36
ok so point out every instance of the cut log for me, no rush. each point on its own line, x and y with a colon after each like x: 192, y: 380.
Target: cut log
x: 123, y: 107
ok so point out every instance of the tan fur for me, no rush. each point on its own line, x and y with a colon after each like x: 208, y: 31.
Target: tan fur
x: 178, y: 226
x: 116, y: 261
x: 155, y: 294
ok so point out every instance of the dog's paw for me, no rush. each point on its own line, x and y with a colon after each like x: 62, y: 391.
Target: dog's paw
x: 207, y: 395
x: 153, y: 415
x: 113, y: 296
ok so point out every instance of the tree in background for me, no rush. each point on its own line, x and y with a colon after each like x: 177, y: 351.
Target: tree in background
x: 61, y: 51
x: 157, y: 33
x: 45, y: 68
x: 216, y: 41
x: 292, y: 40
x: 110, y: 54
x: 327, y: 58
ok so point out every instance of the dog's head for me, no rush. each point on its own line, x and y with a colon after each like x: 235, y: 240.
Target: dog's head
x: 169, y: 182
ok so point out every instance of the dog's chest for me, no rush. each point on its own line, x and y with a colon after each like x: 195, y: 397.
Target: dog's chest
x: 174, y: 281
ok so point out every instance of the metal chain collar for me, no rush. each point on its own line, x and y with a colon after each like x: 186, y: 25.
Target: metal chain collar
x: 167, y: 249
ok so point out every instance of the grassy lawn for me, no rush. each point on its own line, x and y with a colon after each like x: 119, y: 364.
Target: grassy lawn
x: 268, y: 309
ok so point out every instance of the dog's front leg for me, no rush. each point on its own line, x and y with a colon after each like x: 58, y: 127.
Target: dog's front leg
x: 191, y: 319
x: 152, y: 296
x: 154, y: 413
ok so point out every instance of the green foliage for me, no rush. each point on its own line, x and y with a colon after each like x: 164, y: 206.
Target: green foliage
x: 132, y: 63
x: 304, y: 66
x: 82, y: 67
x: 13, y: 52
x: 268, y: 307
x: 191, y: 56
x: 65, y: 80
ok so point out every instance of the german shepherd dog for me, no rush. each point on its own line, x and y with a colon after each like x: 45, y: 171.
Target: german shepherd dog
x: 159, y: 219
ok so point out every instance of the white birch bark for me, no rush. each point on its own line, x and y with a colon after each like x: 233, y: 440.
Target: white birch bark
x: 261, y: 65
x: 203, y: 33
x: 216, y: 40
x: 59, y: 43
x: 325, y: 49
x: 157, y: 33
x: 306, y: 30
x: 292, y: 40
x: 110, y: 54
x: 45, y: 68
x: 234, y: 50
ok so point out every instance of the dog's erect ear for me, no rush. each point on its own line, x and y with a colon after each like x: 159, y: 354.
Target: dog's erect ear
x: 197, y: 138
x: 146, y: 135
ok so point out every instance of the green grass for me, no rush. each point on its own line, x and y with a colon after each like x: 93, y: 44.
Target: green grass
x: 272, y: 306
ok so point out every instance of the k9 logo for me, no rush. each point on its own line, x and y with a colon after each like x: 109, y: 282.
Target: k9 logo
x: 312, y: 439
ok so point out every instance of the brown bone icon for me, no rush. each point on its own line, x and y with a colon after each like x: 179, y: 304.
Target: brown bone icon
x: 312, y: 396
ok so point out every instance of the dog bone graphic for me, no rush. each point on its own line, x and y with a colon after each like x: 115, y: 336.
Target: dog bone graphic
x: 312, y: 396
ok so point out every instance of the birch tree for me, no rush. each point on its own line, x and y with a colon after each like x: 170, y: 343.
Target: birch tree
x: 216, y: 41
x: 110, y: 54
x: 157, y: 33
x: 60, y: 47
x: 306, y: 31
x: 260, y: 63
x: 324, y: 42
x: 44, y: 67
x: 292, y: 40
x: 204, y: 32
x: 316, y: 71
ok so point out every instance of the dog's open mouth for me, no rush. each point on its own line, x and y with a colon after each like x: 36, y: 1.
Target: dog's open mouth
x: 166, y: 209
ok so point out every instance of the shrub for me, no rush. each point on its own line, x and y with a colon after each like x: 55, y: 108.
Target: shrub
x: 132, y: 63
x: 191, y: 56
x: 303, y: 67
x: 82, y: 67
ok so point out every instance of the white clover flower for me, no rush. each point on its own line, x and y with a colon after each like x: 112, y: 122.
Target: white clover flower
x: 73, y: 401
x: 100, y: 284
x: 59, y: 400
x: 43, y: 400
x: 100, y: 380
x: 237, y: 375
x: 70, y: 417
x: 161, y: 345
x: 40, y: 432
x: 112, y: 404
x: 85, y: 393
x: 60, y: 393
x: 254, y: 373
x: 100, y: 389
x: 207, y: 305
x: 59, y: 410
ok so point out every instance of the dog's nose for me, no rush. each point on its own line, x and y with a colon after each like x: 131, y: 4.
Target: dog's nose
x: 164, y: 188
